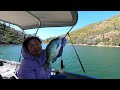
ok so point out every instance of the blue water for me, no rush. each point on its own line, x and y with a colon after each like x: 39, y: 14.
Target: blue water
x: 101, y: 62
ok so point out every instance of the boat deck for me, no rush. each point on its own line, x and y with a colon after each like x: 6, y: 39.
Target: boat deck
x: 8, y: 70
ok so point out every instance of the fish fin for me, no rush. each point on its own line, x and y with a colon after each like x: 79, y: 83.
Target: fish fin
x: 54, y: 59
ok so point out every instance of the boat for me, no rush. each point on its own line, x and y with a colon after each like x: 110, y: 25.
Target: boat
x: 27, y: 20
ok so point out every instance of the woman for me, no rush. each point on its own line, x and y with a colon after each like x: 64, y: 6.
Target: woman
x: 33, y: 60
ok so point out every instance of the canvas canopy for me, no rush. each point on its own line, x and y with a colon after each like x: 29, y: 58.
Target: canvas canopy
x: 34, y: 19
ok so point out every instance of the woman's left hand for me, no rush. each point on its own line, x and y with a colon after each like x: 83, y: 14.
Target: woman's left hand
x: 64, y: 41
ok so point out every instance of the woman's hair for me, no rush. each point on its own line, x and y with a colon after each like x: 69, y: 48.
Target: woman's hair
x: 27, y: 40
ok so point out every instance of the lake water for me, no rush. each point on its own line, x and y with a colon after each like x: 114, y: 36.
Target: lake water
x: 101, y: 62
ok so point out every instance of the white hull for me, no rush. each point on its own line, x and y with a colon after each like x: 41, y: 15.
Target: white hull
x: 9, y: 69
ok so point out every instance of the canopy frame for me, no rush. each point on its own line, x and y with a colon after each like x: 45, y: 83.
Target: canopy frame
x: 39, y: 18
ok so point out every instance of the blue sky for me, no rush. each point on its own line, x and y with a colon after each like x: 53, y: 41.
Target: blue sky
x: 88, y: 17
x: 84, y: 18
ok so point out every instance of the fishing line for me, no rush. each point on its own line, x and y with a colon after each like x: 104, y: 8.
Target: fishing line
x: 74, y: 48
x: 77, y: 54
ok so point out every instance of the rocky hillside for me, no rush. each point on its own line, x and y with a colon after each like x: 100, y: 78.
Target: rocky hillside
x: 106, y: 32
x: 9, y: 35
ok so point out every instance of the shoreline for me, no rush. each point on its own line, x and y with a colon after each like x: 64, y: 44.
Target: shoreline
x: 9, y: 44
x: 94, y: 45
x: 67, y: 44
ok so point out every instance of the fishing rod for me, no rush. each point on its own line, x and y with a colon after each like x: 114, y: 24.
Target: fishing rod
x: 77, y: 54
x: 68, y: 31
x: 74, y: 48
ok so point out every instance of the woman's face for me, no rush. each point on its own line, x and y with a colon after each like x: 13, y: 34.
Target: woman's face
x: 34, y: 47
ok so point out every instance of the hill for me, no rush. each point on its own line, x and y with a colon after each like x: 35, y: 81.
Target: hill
x: 9, y: 35
x: 106, y: 32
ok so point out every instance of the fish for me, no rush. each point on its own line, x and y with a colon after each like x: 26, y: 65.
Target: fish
x: 52, y: 50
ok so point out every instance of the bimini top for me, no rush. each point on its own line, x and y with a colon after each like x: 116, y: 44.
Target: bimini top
x: 34, y: 19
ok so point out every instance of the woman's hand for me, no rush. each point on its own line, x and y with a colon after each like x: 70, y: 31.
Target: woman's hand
x: 64, y: 41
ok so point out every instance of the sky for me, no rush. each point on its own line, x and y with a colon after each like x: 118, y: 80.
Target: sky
x: 84, y: 18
